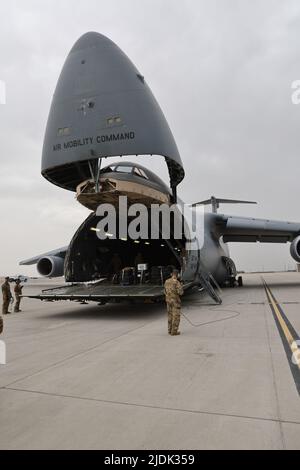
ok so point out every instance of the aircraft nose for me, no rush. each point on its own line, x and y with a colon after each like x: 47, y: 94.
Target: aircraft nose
x: 91, y: 39
x: 102, y: 107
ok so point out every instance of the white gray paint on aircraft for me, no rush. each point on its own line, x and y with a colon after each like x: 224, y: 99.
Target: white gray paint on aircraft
x: 97, y: 59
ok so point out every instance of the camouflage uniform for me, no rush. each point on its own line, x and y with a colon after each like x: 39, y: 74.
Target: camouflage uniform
x: 18, y: 292
x: 173, y: 291
x: 6, y: 297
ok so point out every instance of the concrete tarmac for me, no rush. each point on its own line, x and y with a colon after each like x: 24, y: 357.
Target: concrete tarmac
x: 110, y: 377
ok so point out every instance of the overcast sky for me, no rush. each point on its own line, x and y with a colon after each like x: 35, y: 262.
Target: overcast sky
x: 222, y: 73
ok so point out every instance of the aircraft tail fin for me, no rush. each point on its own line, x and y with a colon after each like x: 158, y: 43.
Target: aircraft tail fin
x: 215, y: 202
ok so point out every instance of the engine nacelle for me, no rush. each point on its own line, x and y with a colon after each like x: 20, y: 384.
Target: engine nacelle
x: 295, y: 249
x: 51, y: 266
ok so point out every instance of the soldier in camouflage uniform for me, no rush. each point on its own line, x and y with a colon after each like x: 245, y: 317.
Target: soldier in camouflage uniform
x: 6, y: 296
x: 18, y: 292
x: 173, y: 292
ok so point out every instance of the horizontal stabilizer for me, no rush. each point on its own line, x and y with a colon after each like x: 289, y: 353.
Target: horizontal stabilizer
x: 215, y: 202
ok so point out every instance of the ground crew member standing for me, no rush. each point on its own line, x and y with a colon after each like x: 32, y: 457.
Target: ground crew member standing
x: 18, y: 292
x: 6, y: 296
x: 173, y: 292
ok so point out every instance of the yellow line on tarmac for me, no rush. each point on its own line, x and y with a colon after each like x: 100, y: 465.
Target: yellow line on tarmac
x: 292, y: 342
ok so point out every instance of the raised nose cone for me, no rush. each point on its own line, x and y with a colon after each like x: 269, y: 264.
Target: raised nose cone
x: 91, y: 39
x: 102, y: 107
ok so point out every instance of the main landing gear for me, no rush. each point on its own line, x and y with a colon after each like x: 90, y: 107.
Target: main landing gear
x: 234, y: 281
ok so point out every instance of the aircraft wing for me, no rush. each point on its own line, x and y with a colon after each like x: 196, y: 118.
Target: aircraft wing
x: 249, y: 229
x: 60, y: 252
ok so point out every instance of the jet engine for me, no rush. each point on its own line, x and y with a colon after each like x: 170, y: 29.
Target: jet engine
x: 295, y: 249
x: 51, y: 266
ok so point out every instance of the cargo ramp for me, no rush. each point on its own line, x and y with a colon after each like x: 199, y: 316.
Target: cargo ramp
x: 104, y: 292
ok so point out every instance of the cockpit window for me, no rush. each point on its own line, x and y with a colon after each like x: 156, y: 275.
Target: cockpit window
x: 124, y: 169
x: 129, y: 169
x: 140, y: 172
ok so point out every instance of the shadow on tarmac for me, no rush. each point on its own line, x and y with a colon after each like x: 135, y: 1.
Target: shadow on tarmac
x: 115, y: 312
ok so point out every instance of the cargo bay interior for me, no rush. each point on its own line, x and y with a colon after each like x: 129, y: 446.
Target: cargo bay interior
x: 121, y: 260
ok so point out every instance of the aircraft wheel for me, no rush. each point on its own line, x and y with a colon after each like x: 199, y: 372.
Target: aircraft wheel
x: 231, y: 282
x: 240, y: 281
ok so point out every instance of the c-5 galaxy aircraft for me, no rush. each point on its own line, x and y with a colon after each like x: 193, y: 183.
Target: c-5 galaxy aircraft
x: 102, y: 108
